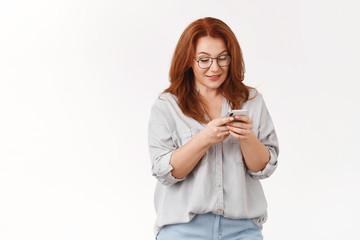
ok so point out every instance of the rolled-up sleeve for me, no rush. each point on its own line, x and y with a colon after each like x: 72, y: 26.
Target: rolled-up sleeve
x: 161, y: 146
x: 267, y: 136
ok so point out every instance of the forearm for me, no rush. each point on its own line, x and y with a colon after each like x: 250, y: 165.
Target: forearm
x: 185, y: 158
x: 255, y: 154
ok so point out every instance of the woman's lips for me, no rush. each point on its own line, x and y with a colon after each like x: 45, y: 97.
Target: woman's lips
x: 213, y: 77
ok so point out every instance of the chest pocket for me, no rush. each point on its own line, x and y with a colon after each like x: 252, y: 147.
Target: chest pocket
x: 234, y: 147
x: 186, y: 136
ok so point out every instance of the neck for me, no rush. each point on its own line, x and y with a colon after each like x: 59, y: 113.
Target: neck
x: 208, y: 93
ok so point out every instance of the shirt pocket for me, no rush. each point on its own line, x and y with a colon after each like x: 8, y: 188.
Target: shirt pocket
x: 234, y: 145
x: 187, y: 135
x: 180, y: 138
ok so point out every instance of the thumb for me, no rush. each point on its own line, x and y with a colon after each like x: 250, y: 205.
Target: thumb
x: 223, y: 121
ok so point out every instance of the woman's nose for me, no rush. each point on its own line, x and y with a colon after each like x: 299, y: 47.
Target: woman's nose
x: 214, y: 66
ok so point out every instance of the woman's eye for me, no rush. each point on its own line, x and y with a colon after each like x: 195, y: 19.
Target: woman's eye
x: 222, y: 58
x: 204, y: 60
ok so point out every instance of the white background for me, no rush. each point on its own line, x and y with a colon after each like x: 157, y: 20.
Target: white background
x: 78, y: 78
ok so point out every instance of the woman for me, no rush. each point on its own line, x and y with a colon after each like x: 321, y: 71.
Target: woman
x: 208, y: 165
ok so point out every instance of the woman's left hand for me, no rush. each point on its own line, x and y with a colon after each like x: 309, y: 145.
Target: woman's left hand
x: 241, y: 130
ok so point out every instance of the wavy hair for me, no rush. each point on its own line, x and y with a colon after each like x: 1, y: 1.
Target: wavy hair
x: 181, y: 74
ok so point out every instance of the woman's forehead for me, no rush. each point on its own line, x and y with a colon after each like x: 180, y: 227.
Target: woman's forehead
x: 209, y: 46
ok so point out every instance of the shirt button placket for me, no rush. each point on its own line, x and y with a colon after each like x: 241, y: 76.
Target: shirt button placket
x: 219, y: 179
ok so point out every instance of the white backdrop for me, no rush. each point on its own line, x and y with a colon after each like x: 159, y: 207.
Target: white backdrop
x: 78, y: 78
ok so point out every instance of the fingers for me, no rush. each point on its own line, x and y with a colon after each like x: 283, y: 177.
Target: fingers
x: 238, y: 136
x: 224, y: 135
x: 240, y: 131
x: 240, y: 125
x: 223, y: 121
x: 220, y: 131
x: 246, y: 122
x: 217, y: 134
x: 243, y: 118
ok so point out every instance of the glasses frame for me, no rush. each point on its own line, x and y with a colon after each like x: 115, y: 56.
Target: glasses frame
x: 212, y: 60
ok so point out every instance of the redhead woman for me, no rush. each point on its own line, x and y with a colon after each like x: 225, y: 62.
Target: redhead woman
x: 208, y: 164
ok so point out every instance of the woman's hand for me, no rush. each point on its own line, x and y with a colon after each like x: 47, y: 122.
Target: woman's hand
x: 216, y: 131
x: 241, y: 130
x: 255, y: 154
x: 185, y: 158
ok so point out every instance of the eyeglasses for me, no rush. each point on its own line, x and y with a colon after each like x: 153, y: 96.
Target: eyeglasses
x: 222, y: 61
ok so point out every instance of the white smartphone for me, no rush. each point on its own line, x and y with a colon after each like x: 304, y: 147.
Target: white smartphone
x: 237, y: 112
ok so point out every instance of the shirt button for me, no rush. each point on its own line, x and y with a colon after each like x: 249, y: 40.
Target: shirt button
x: 219, y: 186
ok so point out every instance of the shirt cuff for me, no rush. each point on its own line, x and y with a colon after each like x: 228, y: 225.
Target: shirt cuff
x: 164, y: 174
x: 268, y: 170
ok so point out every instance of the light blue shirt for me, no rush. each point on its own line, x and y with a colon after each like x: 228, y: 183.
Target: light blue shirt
x: 220, y: 183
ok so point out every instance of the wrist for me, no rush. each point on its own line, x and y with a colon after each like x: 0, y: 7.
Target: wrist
x: 249, y: 140
x: 204, y: 140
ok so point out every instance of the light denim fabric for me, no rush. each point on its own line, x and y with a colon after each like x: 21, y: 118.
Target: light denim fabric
x: 220, y: 183
x: 212, y: 227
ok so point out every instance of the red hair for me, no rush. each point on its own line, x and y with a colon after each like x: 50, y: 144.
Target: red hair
x: 182, y: 83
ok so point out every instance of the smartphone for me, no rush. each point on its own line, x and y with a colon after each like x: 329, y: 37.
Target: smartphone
x: 237, y: 112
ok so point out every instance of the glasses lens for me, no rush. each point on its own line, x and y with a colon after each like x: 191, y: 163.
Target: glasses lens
x: 224, y: 61
x: 205, y: 62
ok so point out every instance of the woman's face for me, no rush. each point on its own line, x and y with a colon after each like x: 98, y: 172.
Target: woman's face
x: 210, y: 78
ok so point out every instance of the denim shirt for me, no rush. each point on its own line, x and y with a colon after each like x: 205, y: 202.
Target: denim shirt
x: 220, y: 183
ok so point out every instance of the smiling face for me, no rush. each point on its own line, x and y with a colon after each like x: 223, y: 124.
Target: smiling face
x: 210, y: 78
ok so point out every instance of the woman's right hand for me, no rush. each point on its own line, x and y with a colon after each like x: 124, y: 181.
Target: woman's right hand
x: 216, y: 130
